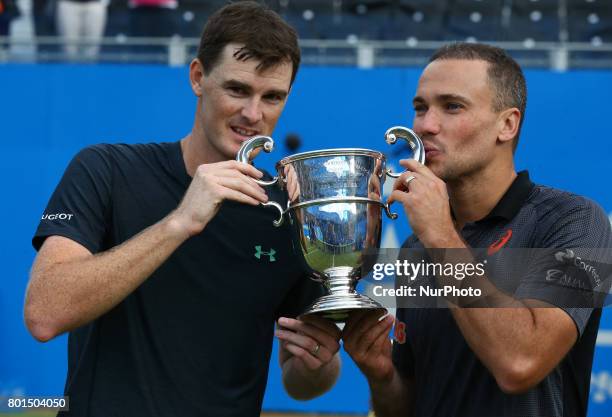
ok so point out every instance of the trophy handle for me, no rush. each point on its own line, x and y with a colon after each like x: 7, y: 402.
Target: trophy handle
x: 387, y: 208
x: 243, y: 155
x: 414, y: 142
x: 412, y: 139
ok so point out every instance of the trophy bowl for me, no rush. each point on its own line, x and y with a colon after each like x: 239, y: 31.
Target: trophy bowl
x: 334, y: 208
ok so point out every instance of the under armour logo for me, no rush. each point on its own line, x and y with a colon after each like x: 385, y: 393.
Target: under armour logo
x: 270, y: 253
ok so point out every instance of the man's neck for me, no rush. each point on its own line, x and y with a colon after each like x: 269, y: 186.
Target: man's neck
x: 473, y: 198
x: 195, y: 152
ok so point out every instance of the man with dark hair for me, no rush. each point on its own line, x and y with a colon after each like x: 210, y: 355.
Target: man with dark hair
x: 531, y: 358
x: 229, y: 27
x: 164, y: 267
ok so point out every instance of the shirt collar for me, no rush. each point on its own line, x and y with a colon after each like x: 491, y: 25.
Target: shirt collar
x: 512, y: 201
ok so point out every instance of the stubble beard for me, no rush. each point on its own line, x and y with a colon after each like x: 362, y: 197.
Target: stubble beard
x: 458, y: 171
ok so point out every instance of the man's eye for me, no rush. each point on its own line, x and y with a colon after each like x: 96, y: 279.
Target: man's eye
x: 236, y: 90
x: 453, y: 106
x: 420, y: 108
x: 274, y: 98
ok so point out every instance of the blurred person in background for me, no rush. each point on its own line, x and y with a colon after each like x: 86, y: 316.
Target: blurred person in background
x: 534, y: 356
x: 164, y: 267
x: 153, y: 19
x: 44, y: 16
x: 8, y: 12
x: 81, y: 24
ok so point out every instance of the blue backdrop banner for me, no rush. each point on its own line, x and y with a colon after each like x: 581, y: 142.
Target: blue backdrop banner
x: 49, y: 112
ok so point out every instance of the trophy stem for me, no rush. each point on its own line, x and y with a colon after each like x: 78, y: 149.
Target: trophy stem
x: 340, y: 283
x: 340, y: 280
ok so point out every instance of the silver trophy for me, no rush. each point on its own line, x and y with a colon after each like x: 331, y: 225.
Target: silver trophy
x: 335, y: 211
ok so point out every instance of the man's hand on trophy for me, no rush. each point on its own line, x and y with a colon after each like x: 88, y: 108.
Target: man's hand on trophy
x: 211, y: 185
x: 310, y: 343
x: 366, y: 340
x: 426, y: 203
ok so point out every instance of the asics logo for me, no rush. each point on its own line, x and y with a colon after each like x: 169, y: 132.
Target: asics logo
x: 499, y: 243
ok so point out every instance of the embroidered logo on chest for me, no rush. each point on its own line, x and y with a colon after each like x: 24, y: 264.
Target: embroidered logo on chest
x: 270, y: 254
x: 499, y: 243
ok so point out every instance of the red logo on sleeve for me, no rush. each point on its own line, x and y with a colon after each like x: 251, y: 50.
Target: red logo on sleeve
x: 499, y: 243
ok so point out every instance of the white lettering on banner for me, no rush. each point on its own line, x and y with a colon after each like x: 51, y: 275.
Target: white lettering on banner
x: 57, y: 216
x: 601, y: 386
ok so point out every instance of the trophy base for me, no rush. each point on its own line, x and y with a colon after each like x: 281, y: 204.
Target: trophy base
x: 337, y: 307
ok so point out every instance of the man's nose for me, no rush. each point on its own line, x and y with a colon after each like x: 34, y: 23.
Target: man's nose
x: 427, y: 124
x: 252, y: 110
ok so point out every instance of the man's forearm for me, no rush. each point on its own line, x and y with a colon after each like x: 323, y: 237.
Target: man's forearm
x: 66, y: 294
x: 518, y: 342
x: 393, y: 398
x: 520, y: 346
x: 304, y: 384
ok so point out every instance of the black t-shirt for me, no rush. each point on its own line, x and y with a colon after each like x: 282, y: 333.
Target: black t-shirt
x: 195, y: 338
x: 449, y: 379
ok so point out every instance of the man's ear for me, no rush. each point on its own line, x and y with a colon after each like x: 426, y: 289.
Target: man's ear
x: 509, y: 121
x: 196, y: 73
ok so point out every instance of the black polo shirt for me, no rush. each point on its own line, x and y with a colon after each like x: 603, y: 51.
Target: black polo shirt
x: 449, y: 379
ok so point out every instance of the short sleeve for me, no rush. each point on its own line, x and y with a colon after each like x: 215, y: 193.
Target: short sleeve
x: 79, y: 207
x: 573, y: 272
